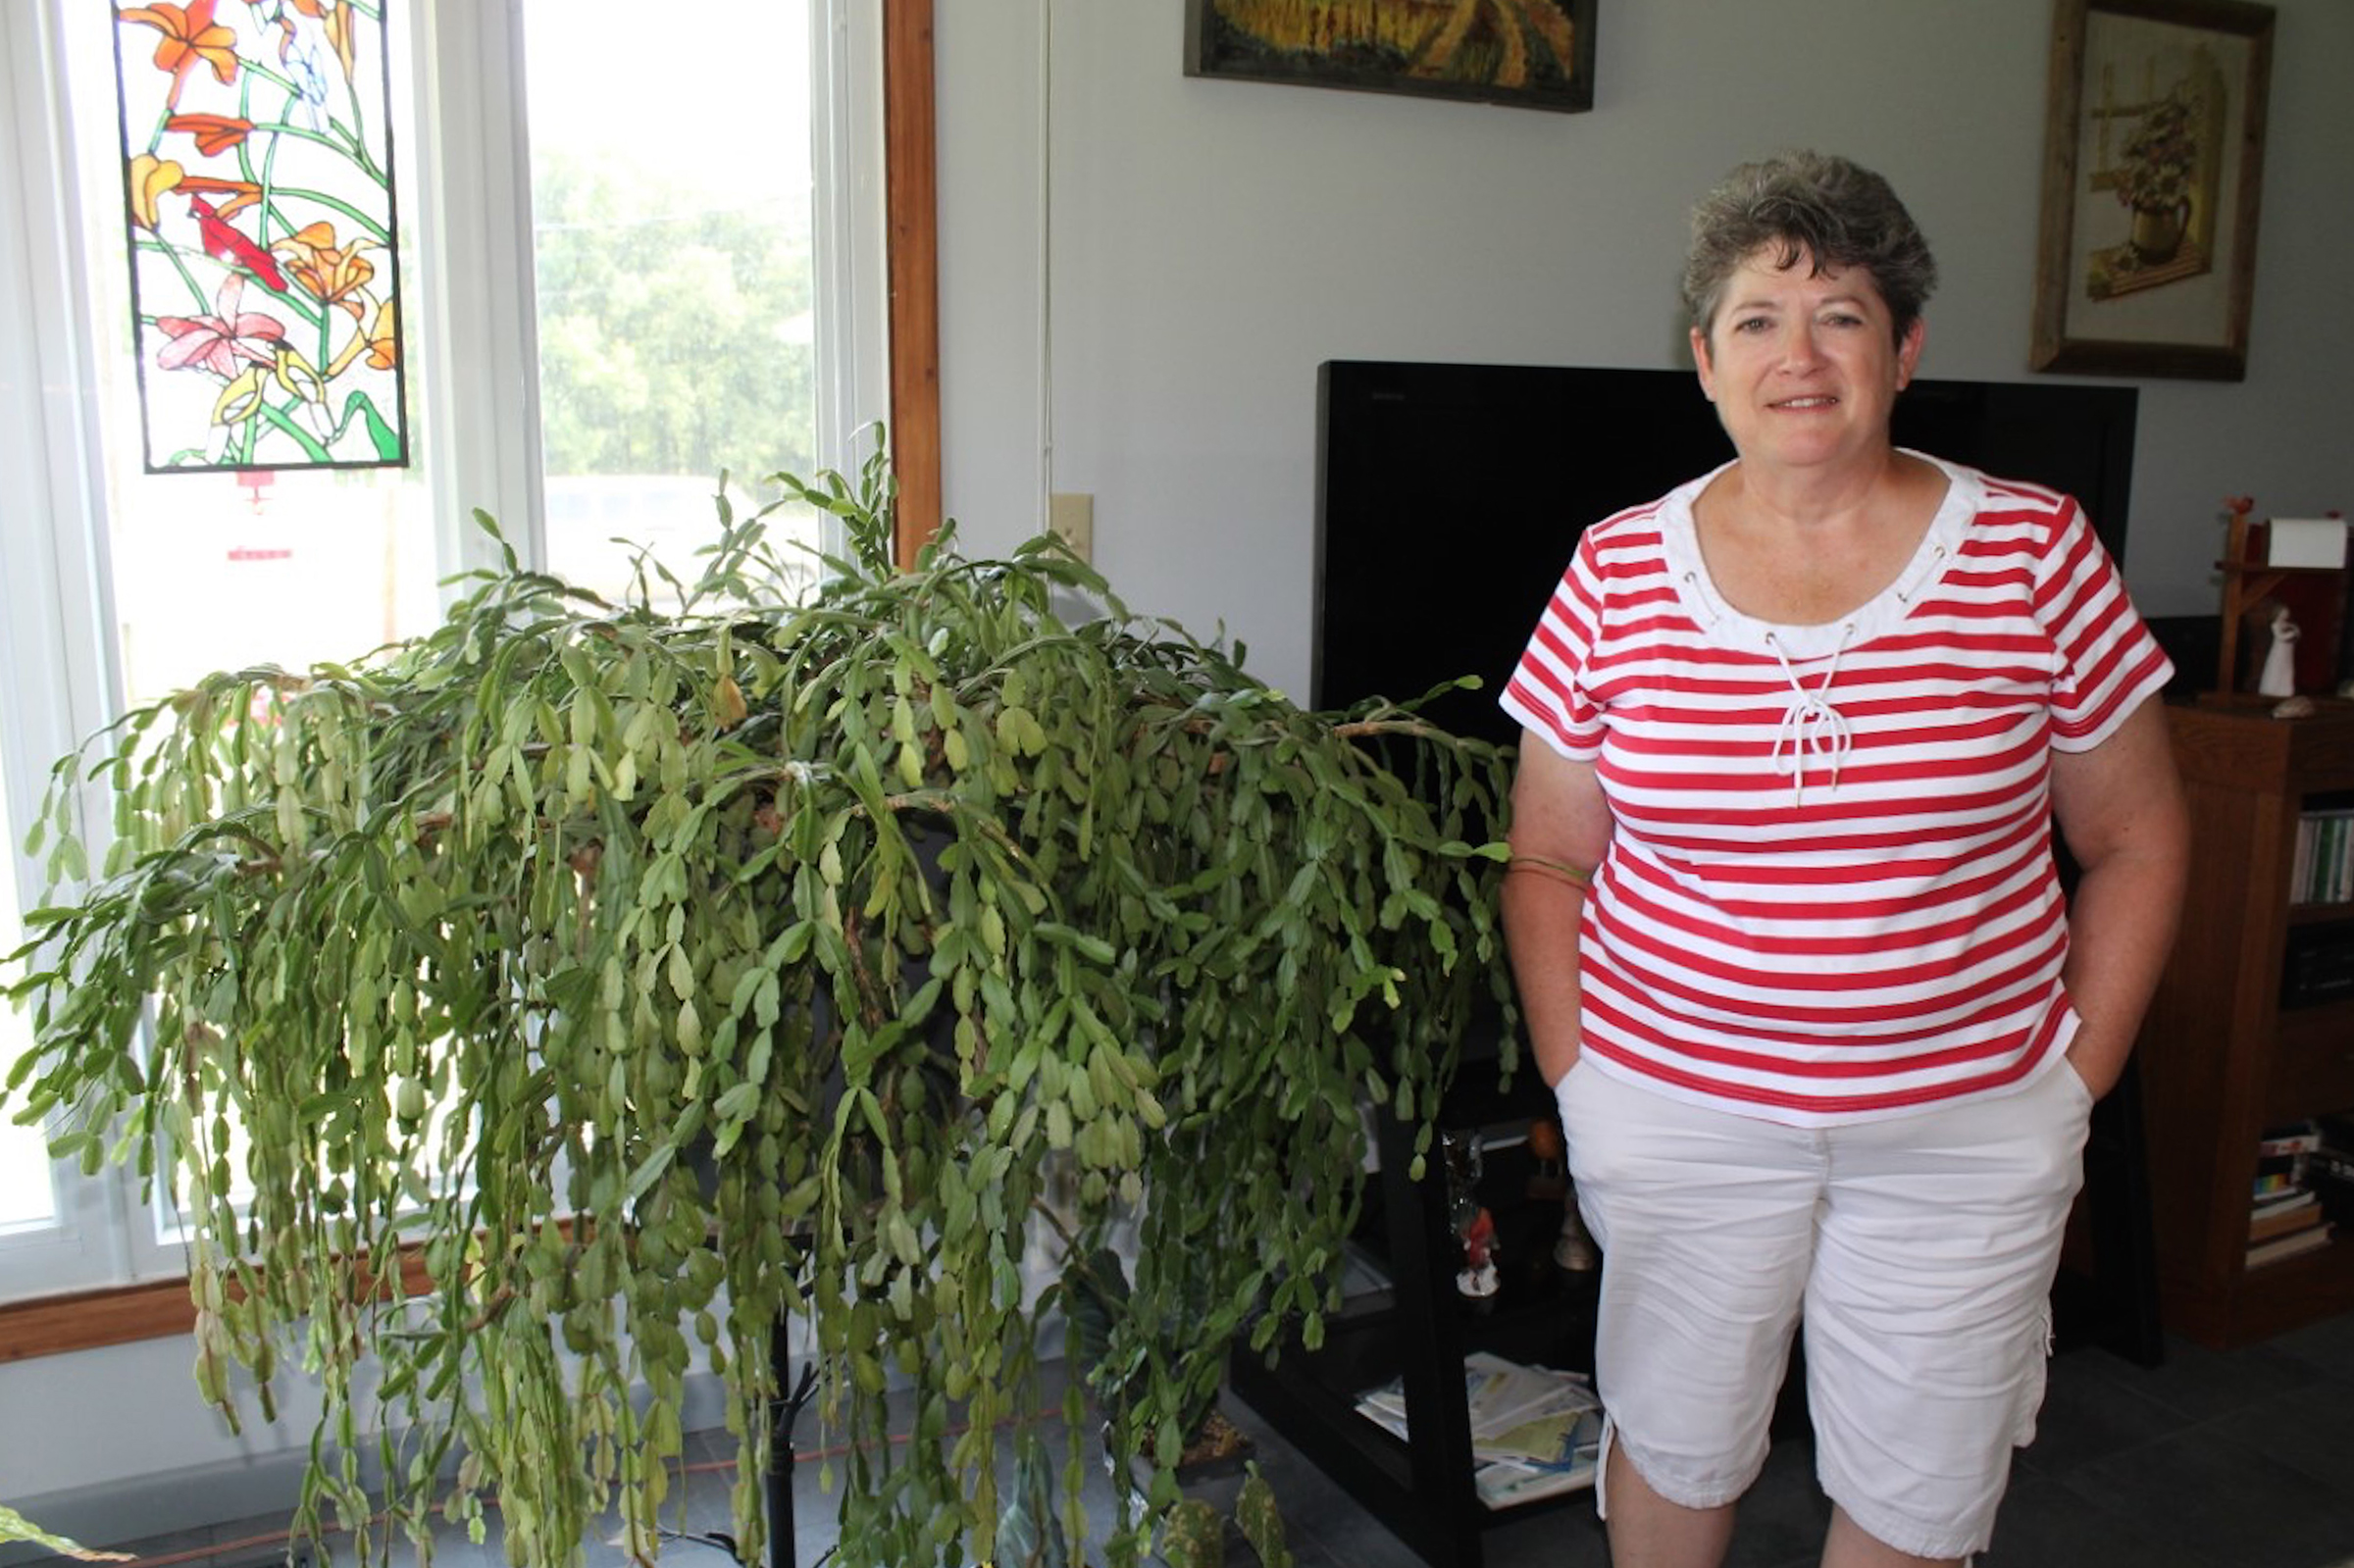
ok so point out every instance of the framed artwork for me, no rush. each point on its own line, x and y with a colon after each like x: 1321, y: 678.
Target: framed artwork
x: 1532, y: 54
x: 2153, y: 171
x: 257, y: 186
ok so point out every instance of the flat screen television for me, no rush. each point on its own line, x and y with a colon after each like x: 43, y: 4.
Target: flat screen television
x: 1449, y: 497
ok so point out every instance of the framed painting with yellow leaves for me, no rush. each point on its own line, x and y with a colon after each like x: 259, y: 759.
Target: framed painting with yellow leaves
x: 2153, y: 171
x: 1530, y: 54
x: 257, y: 186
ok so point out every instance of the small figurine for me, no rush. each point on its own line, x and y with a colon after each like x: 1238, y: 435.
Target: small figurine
x: 1478, y: 1279
x: 1547, y: 1179
x: 2280, y: 676
x: 1574, y: 1248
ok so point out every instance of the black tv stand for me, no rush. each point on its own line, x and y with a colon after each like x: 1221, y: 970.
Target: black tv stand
x: 1420, y: 1328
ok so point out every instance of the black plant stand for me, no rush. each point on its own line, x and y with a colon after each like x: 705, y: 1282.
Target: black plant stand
x: 783, y: 1408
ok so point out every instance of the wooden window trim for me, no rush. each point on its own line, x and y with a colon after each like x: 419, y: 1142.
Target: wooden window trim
x: 911, y: 203
x: 119, y: 1314
x: 87, y: 1320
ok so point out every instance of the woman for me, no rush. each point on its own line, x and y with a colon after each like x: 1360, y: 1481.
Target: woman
x: 1784, y: 910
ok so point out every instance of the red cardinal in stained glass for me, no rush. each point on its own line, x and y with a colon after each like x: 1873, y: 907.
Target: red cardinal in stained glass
x: 223, y: 241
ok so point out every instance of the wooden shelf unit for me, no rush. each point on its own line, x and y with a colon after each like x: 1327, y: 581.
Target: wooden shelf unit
x: 2220, y: 1058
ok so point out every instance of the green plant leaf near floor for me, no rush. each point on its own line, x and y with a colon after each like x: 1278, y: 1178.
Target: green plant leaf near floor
x: 14, y: 1525
x: 633, y: 976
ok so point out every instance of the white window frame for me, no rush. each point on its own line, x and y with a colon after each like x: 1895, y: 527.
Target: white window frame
x: 473, y: 213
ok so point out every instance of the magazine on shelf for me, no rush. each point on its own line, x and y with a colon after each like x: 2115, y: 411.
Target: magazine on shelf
x: 1534, y: 1431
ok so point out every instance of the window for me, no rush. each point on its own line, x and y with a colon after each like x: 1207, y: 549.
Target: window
x: 27, y: 1193
x: 615, y: 283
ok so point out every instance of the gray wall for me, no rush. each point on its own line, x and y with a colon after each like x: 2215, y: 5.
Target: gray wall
x: 1209, y: 242
x: 1212, y: 242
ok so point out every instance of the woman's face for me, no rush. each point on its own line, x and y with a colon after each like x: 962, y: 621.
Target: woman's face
x: 1804, y: 368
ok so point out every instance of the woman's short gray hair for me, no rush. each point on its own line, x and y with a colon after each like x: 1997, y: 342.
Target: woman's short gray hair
x: 1812, y: 205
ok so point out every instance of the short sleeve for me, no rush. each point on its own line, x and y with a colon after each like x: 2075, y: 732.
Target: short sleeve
x: 2109, y: 662
x: 1548, y: 692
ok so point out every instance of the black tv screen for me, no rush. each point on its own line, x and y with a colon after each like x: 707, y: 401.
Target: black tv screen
x: 1449, y: 497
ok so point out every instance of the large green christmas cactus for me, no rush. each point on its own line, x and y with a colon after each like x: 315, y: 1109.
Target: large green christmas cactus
x: 645, y: 972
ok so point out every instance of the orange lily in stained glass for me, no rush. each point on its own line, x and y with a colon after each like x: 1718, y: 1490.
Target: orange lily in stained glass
x: 376, y: 341
x: 239, y: 193
x: 150, y: 177
x: 190, y: 36
x: 220, y: 342
x: 341, y: 37
x: 333, y: 273
x: 383, y: 339
x: 215, y: 133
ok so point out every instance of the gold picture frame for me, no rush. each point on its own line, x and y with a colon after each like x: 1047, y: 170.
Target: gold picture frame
x: 2153, y: 172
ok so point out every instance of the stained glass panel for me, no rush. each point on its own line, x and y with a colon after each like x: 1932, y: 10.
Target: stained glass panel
x: 257, y: 172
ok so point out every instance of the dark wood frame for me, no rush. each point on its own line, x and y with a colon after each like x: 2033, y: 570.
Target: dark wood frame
x: 83, y: 1320
x: 2060, y: 344
x: 1212, y: 50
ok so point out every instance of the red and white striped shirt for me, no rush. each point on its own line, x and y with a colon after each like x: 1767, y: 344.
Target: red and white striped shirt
x: 1829, y: 893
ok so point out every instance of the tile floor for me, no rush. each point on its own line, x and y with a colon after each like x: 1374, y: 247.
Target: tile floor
x: 2238, y: 1460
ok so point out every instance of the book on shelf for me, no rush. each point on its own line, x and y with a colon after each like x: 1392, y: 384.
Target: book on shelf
x: 2281, y: 1157
x: 2298, y: 1211
x: 2296, y: 1243
x: 2289, y: 1138
x: 2323, y: 869
x: 2285, y: 1180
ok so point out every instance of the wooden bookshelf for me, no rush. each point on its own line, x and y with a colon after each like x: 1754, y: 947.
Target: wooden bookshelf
x: 2221, y: 1058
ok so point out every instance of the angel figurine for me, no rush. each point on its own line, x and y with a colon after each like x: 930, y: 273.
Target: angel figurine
x: 2280, y: 676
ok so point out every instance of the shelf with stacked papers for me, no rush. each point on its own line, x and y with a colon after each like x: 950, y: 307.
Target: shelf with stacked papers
x: 1535, y: 1432
x: 2284, y: 1215
x: 2295, y: 1243
x: 1405, y: 1324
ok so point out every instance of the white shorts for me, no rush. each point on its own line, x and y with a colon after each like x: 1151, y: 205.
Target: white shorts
x: 1919, y: 1252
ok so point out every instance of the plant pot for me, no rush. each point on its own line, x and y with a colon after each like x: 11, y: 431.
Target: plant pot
x: 2157, y: 233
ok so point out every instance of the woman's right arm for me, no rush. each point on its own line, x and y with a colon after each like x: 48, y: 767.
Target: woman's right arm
x: 1561, y: 827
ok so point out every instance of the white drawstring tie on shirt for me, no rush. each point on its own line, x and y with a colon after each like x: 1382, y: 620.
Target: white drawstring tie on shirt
x: 1810, y: 726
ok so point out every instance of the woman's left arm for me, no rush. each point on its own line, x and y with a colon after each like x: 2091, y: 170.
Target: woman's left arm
x: 2120, y: 812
